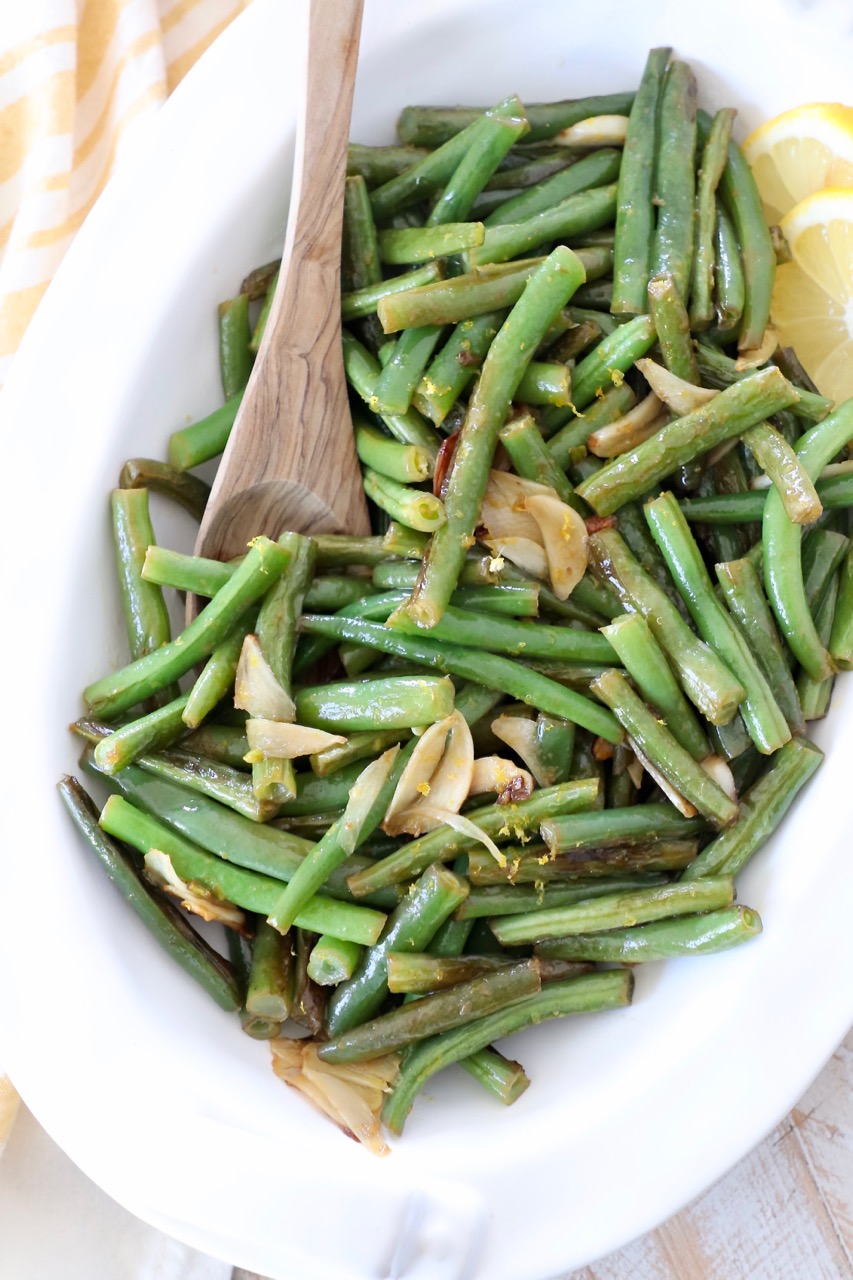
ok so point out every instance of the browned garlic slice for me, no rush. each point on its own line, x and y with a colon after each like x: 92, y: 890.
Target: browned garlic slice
x: 631, y: 429
x: 363, y: 795
x: 160, y: 871
x: 505, y: 778
x: 256, y: 689
x: 287, y: 741
x: 350, y: 1094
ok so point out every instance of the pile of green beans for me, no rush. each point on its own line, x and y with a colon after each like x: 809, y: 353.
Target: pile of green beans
x: 498, y: 289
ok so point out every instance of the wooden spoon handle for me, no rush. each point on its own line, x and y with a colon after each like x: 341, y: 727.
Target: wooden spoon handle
x: 291, y: 461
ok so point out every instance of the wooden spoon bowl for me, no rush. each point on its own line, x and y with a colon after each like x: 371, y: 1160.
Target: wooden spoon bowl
x: 290, y: 462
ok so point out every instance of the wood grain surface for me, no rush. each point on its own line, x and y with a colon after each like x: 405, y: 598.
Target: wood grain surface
x: 784, y: 1213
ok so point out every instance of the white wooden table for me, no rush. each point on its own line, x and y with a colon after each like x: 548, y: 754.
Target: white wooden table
x: 784, y: 1213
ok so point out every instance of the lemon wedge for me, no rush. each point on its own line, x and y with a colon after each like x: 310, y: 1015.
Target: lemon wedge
x: 800, y: 152
x: 812, y: 305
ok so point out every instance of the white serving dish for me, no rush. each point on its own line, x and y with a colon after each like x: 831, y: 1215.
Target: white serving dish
x: 148, y: 1087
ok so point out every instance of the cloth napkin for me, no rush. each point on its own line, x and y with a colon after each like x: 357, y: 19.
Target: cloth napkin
x: 80, y: 82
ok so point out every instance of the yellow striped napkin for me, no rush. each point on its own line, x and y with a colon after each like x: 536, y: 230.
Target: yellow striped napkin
x: 79, y: 79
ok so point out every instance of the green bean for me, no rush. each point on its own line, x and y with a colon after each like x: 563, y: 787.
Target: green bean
x: 514, y: 638
x: 776, y: 457
x: 633, y: 860
x: 269, y: 993
x: 405, y: 463
x: 456, y: 365
x: 511, y: 899
x: 823, y: 551
x: 672, y: 326
x: 364, y: 302
x: 835, y: 493
x: 402, y: 374
x: 333, y: 960
x: 660, y: 746
x: 498, y: 821
x: 635, y: 214
x: 115, y: 693
x: 632, y: 638
x: 395, y: 702
x: 815, y: 695
x: 363, y: 371
x: 593, y: 991
x: 257, y: 282
x: 161, y: 477
x: 436, y: 168
x: 675, y: 185
x: 545, y: 383
x: 222, y: 743
x: 729, y: 414
x: 275, y: 854
x: 613, y: 357
x: 219, y: 881
x: 264, y: 313
x: 410, y: 506
x: 460, y: 298
x: 212, y: 778
x: 418, y: 244
x: 282, y: 606
x: 721, y: 371
x: 762, y: 808
x: 360, y: 265
x: 358, y: 747
x: 766, y: 725
x: 434, y: 1013
x: 616, y: 911
x: 585, y: 211
x: 741, y: 587
x: 432, y: 126
x: 546, y: 292
x: 782, y: 541
x: 377, y: 164
x: 205, y: 439
x: 162, y: 919
x: 713, y: 161
x: 691, y: 935
x: 615, y: 401
x: 217, y: 675
x: 145, y: 614
x: 705, y: 679
x: 595, y: 170
x: 412, y: 926
x: 196, y: 574
x: 235, y: 358
x: 491, y: 670
x: 729, y: 281
x: 841, y: 635
x: 743, y: 203
x: 151, y: 732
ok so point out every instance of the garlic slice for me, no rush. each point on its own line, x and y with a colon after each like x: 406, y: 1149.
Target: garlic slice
x: 287, y: 741
x: 465, y: 827
x: 505, y: 778
x: 678, y: 395
x: 503, y: 513
x: 256, y: 689
x: 160, y: 871
x: 350, y: 1094
x: 756, y: 356
x: 596, y: 131
x: 437, y: 775
x: 675, y: 797
x: 631, y: 429
x: 718, y: 769
x: 565, y: 539
x: 363, y: 795
x: 524, y: 553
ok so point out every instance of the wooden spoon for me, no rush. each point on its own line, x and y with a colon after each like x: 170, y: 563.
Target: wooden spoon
x: 290, y: 462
